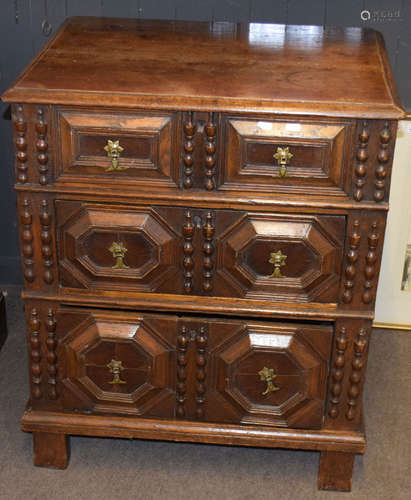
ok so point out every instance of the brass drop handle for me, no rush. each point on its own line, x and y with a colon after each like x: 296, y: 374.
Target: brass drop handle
x: 114, y: 150
x: 119, y: 251
x: 278, y: 259
x: 268, y: 375
x: 283, y: 157
x: 116, y: 367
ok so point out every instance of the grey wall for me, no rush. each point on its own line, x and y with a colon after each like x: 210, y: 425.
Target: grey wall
x: 25, y: 26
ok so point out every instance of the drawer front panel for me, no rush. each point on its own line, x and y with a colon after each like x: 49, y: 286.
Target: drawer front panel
x: 279, y: 257
x: 222, y: 253
x: 272, y: 155
x: 102, y: 146
x: 260, y: 373
x: 116, y: 247
x: 217, y: 370
x: 117, y: 363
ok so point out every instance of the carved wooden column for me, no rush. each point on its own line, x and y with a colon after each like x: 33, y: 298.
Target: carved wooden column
x: 188, y: 262
x: 208, y: 250
x: 188, y: 158
x: 210, y: 150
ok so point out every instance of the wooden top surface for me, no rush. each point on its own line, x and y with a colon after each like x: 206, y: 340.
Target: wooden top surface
x: 220, y: 66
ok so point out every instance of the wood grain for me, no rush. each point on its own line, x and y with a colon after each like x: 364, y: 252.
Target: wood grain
x: 128, y: 427
x: 50, y: 450
x: 156, y: 305
x: 349, y: 63
x: 335, y: 471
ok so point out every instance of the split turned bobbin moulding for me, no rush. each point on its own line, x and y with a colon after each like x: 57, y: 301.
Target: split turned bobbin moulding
x: 202, y: 210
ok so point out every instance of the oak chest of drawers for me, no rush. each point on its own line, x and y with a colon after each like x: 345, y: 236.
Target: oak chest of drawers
x: 202, y: 211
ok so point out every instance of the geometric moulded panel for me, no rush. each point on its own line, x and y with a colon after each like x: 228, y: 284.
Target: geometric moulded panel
x: 309, y: 252
x: 272, y: 374
x: 117, y: 362
x: 317, y: 164
x: 146, y: 142
x: 116, y: 247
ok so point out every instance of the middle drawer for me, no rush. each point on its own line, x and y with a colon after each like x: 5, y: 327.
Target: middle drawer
x: 221, y: 253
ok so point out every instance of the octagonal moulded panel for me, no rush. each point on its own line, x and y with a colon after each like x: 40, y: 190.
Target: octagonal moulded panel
x: 309, y: 250
x: 296, y: 358
x: 117, y: 363
x: 116, y: 247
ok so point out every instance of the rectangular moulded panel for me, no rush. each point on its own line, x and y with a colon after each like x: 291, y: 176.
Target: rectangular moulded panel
x: 144, y: 144
x: 316, y: 155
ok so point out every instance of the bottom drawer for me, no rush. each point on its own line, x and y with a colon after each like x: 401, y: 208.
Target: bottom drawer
x: 213, y: 369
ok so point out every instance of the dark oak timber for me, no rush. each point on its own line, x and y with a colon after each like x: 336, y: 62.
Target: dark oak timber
x: 335, y: 470
x: 349, y: 74
x: 202, y: 210
x: 191, y: 431
x: 50, y: 450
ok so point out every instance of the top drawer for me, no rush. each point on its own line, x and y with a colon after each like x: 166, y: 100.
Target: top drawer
x: 248, y: 155
x: 285, y: 156
x: 137, y: 148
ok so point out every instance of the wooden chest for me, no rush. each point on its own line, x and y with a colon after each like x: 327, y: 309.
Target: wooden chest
x: 202, y: 210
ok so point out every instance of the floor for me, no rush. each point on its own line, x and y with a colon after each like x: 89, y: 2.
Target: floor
x: 122, y: 469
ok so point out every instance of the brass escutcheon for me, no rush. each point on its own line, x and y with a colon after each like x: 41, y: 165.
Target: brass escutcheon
x: 278, y: 259
x: 113, y: 150
x: 119, y: 251
x: 116, y: 368
x: 283, y: 157
x: 268, y: 375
